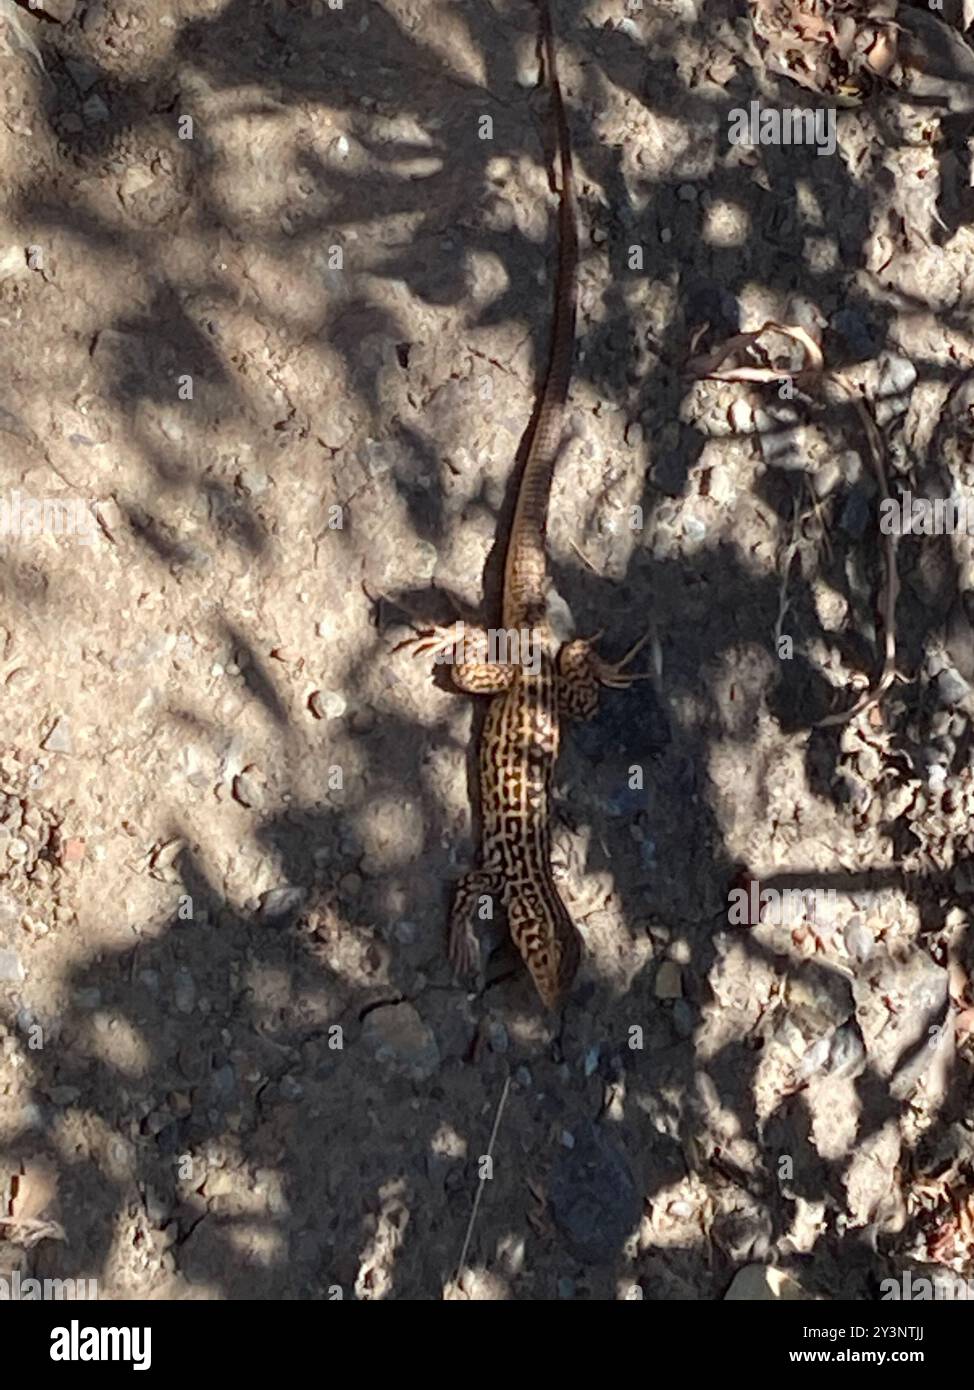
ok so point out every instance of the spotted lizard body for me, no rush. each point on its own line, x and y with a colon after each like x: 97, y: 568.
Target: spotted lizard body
x: 535, y: 682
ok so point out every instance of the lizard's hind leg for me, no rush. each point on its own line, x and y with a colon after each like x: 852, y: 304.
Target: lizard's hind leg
x: 476, y: 897
x: 465, y: 651
x: 581, y: 671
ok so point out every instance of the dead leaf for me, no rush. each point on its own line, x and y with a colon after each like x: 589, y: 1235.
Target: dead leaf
x: 882, y: 55
x: 845, y: 36
x: 706, y: 366
x: 30, y: 1233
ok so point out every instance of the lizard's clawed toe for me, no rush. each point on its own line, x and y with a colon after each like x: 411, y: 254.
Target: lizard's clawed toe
x: 436, y: 641
x: 614, y: 674
x: 463, y: 952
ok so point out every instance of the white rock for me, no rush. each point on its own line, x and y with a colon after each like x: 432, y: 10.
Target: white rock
x: 764, y: 1284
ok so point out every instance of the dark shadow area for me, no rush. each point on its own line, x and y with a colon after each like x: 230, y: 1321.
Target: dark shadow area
x: 249, y: 1146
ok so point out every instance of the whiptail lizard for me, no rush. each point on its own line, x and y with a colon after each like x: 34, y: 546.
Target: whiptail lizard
x: 545, y: 681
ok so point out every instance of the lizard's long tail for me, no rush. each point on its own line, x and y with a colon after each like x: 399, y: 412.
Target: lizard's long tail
x: 525, y: 570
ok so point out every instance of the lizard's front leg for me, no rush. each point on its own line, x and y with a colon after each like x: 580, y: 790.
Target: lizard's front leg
x: 581, y: 671
x: 465, y: 651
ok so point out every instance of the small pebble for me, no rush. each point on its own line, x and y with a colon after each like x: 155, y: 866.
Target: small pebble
x: 827, y: 478
x: 741, y: 417
x: 94, y: 110
x: 896, y: 378
x: 63, y: 1095
x: 72, y: 851
x: 936, y: 777
x: 669, y: 980
x: 858, y: 939
x: 327, y: 704
x: 952, y: 687
x: 280, y: 902
x: 350, y: 885
x: 815, y: 1058
x: 184, y: 992
x: 157, y: 1208
x: 847, y: 1054
x: 223, y: 1082
x: 248, y: 789
x: 84, y: 75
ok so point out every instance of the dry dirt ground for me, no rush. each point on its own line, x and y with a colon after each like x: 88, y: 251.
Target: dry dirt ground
x: 275, y: 286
